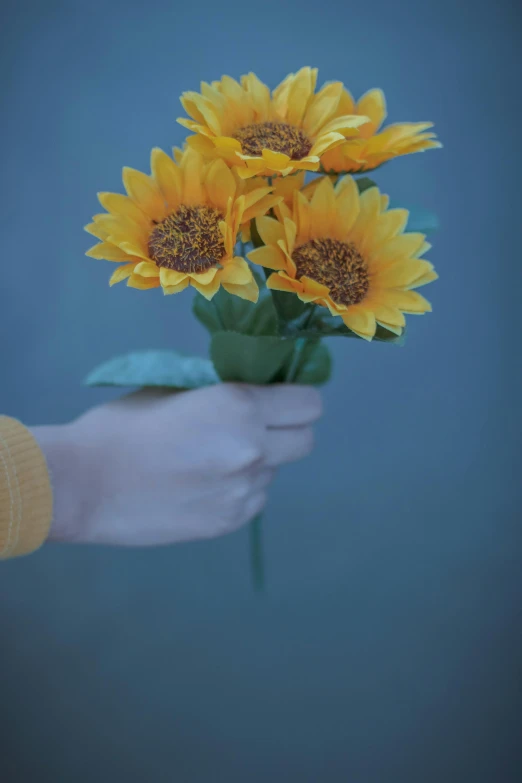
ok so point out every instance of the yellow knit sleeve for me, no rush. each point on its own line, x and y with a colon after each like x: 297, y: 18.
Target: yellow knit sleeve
x: 26, y: 501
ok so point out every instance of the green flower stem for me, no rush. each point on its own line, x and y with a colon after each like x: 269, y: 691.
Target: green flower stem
x: 300, y: 345
x: 257, y: 561
x: 296, y: 360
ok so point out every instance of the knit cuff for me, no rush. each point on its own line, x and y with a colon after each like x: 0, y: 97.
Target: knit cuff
x: 26, y: 501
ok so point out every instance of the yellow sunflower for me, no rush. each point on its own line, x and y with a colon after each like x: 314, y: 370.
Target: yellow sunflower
x: 179, y: 227
x: 375, y: 147
x: 347, y: 252
x: 268, y: 134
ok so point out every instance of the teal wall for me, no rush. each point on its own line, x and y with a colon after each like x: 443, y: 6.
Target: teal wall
x: 386, y: 647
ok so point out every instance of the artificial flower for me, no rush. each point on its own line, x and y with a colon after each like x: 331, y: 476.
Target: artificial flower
x: 349, y: 253
x: 268, y: 134
x: 179, y: 226
x: 375, y: 146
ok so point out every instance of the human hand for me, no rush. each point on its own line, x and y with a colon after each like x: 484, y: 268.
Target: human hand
x: 161, y: 467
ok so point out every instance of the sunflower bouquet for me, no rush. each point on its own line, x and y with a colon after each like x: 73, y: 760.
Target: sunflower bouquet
x: 268, y: 212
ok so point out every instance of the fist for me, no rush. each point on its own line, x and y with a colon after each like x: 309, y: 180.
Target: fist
x: 161, y: 467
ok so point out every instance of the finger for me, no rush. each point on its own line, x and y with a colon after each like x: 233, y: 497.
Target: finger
x: 262, y: 479
x: 288, y: 445
x: 254, y: 506
x: 287, y: 405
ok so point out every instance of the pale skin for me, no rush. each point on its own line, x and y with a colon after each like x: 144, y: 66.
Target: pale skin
x: 159, y: 467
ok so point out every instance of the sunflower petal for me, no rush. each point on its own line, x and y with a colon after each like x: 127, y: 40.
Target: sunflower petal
x: 108, y: 252
x: 121, y: 273
x: 203, y: 110
x: 147, y: 269
x: 144, y: 192
x: 322, y: 208
x: 275, y: 160
x: 260, y: 96
x: 236, y: 272
x: 399, y: 248
x: 361, y: 321
x: 428, y: 277
x: 407, y: 301
x: 171, y: 278
x: 143, y: 283
x: 388, y: 314
x: 347, y: 207
x: 245, y: 173
x: 346, y: 102
x: 261, y: 207
x: 227, y: 143
x: 167, y: 176
x: 176, y: 289
x: 290, y: 234
x: 250, y: 291
x: 334, y: 308
x: 133, y: 249
x: 369, y: 208
x: 402, y: 273
x: 118, y: 204
x: 278, y: 282
x: 391, y: 327
x: 325, y: 142
x: 315, y: 289
x: 199, y: 143
x: 310, y: 163
x: 192, y: 170
x: 208, y: 291
x: 302, y: 218
x: 282, y: 211
x: 220, y: 184
x: 388, y: 224
x: 300, y: 91
x: 96, y: 230
x: 204, y: 278
x: 373, y: 105
x: 322, y: 107
x: 254, y: 163
x: 187, y: 101
x: 255, y: 195
x: 122, y: 229
x: 269, y: 257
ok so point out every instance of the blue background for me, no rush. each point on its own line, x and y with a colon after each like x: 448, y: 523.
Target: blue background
x: 386, y: 648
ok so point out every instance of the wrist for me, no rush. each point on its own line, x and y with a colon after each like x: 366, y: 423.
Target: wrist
x: 70, y: 478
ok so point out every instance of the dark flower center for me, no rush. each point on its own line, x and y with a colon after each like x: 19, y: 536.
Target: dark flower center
x: 335, y: 264
x: 188, y: 240
x: 274, y: 136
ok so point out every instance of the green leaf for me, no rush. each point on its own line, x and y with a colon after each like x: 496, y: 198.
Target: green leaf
x: 207, y: 313
x: 248, y: 358
x: 422, y: 220
x: 315, y: 364
x: 155, y: 368
x: 288, y: 306
x: 363, y: 183
x: 231, y: 313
